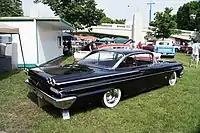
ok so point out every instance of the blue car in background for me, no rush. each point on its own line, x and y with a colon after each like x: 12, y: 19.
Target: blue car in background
x: 165, y: 48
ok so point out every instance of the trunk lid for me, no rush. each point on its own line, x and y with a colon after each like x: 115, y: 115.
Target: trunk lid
x: 67, y: 72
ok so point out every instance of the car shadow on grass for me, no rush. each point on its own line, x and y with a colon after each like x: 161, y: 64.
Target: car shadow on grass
x: 140, y: 93
x: 80, y: 108
x: 197, y: 130
x: 6, y: 75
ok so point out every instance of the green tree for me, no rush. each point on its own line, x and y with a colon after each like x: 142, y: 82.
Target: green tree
x: 195, y: 36
x: 197, y: 21
x: 18, y: 7
x: 111, y: 21
x: 10, y: 8
x: 163, y: 25
x: 184, y: 17
x: 149, y: 36
x: 80, y: 13
x: 119, y: 21
x: 107, y: 20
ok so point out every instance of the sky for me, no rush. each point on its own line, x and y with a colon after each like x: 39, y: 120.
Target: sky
x: 113, y: 8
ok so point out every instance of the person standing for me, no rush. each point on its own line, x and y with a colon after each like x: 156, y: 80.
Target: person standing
x: 69, y: 45
x: 139, y: 45
x: 64, y: 43
x: 64, y: 47
x: 195, y: 53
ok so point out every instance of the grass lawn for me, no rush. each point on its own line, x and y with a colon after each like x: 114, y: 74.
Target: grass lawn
x: 166, y: 110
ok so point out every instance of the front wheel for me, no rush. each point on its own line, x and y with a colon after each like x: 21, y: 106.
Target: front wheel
x: 111, y: 98
x: 172, y: 79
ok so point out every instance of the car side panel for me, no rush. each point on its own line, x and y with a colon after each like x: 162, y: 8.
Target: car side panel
x: 156, y: 75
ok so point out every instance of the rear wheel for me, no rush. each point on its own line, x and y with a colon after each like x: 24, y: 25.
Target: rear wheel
x: 111, y: 98
x: 172, y: 79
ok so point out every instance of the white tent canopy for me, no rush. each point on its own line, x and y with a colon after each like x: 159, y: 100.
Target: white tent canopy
x: 5, y: 29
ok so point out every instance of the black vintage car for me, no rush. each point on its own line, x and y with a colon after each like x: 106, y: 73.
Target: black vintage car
x: 105, y: 75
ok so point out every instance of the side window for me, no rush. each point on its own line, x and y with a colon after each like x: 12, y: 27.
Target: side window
x: 128, y: 62
x: 137, y: 60
x: 144, y: 59
x: 92, y: 59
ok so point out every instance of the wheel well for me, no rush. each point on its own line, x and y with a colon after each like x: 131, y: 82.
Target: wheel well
x: 178, y: 73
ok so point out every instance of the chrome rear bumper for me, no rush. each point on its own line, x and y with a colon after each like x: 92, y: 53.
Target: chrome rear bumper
x: 63, y: 103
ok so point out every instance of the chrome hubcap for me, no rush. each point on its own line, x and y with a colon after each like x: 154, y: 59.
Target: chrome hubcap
x: 112, y: 95
x: 172, y: 79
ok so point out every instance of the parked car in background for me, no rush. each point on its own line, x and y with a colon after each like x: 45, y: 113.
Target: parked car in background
x: 81, y: 54
x: 103, y: 75
x: 177, y: 47
x: 185, y: 48
x: 77, y: 45
x: 189, y: 50
x: 84, y: 52
x: 148, y: 46
x: 165, y: 48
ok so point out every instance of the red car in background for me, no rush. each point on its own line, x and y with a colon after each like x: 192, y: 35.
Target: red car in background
x: 148, y: 46
x: 186, y: 48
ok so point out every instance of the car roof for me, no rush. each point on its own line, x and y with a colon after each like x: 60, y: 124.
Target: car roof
x: 127, y: 51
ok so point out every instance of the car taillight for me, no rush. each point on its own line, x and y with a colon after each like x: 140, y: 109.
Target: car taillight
x: 51, y: 81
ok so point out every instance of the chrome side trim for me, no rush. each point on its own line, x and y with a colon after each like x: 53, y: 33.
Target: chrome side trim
x: 63, y: 103
x: 123, y: 80
x: 74, y: 81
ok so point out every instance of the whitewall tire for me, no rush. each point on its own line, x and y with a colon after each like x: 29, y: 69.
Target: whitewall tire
x: 111, y: 98
x: 172, y: 79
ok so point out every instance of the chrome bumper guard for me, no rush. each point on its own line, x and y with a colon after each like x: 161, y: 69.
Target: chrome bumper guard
x: 181, y: 74
x: 63, y: 103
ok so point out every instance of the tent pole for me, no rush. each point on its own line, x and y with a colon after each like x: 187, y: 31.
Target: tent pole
x: 20, y: 42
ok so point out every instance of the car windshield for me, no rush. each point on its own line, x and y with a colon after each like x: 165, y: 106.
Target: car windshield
x: 105, y: 59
